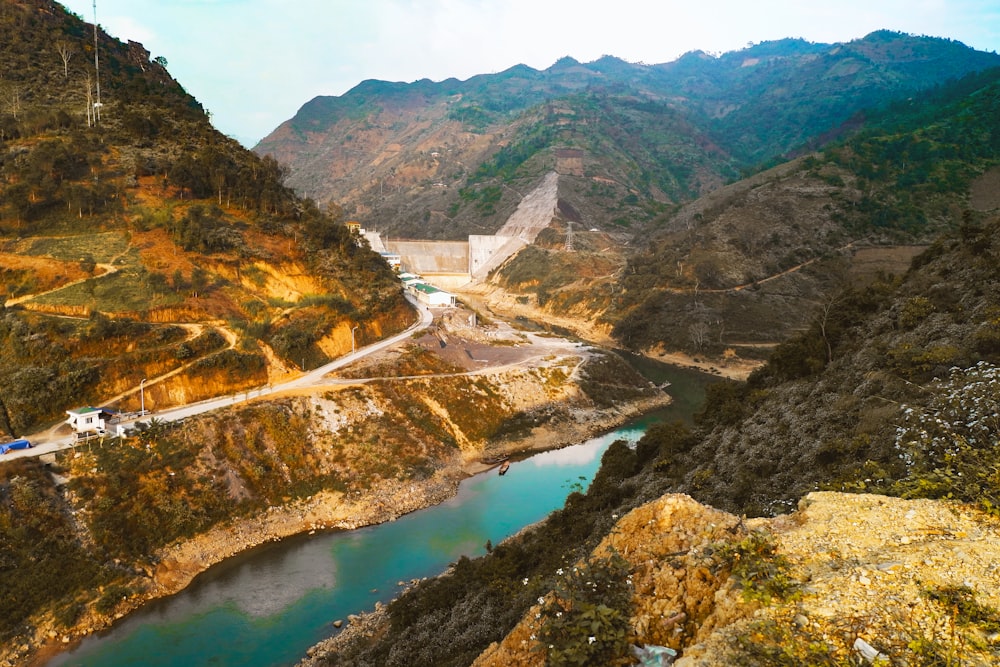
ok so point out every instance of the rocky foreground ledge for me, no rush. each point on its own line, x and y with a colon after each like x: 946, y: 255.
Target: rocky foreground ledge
x: 865, y: 579
x: 872, y: 578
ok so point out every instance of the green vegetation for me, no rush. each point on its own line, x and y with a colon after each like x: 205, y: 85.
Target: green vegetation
x: 473, y: 117
x: 585, y: 620
x: 44, y: 563
x: 131, y: 289
x: 102, y: 247
x: 761, y: 572
x: 783, y: 644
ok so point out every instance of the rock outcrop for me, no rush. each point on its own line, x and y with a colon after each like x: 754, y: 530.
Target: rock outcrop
x: 906, y: 579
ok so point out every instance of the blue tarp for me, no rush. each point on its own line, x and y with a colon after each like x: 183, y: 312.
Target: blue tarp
x: 17, y: 444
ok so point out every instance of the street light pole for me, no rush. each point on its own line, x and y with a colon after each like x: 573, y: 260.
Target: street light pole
x: 142, y: 398
x: 352, y: 337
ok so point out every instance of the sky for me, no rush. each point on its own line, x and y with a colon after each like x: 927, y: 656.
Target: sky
x: 253, y: 63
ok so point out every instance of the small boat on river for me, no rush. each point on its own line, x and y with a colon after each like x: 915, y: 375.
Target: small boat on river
x: 504, y: 467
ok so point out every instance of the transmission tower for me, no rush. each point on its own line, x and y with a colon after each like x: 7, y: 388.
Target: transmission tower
x: 569, y: 236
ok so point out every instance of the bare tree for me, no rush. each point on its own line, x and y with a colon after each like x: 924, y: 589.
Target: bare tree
x: 12, y: 97
x: 89, y: 90
x: 824, y: 319
x: 699, y: 333
x: 66, y: 51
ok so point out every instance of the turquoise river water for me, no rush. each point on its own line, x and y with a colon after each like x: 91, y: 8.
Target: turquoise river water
x: 267, y: 606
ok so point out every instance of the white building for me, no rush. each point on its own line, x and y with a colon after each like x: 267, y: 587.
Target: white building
x: 430, y: 295
x: 89, y: 421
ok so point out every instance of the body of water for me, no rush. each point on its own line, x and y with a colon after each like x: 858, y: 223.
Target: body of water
x: 268, y: 606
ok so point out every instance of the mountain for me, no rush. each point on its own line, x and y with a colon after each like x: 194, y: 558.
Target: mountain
x: 147, y: 261
x: 138, y: 242
x: 445, y: 159
x: 865, y: 272
x: 894, y: 393
x: 756, y: 260
x: 135, y: 238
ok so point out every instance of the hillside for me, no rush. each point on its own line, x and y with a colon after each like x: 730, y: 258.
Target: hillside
x: 757, y: 260
x: 889, y: 386
x: 445, y: 159
x: 726, y: 277
x: 137, y: 242
x: 139, y: 248
x: 896, y: 395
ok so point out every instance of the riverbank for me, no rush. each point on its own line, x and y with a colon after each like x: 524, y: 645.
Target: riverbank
x: 385, y: 501
x: 732, y: 368
x: 178, y: 564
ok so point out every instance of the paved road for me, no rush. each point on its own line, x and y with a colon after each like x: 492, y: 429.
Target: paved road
x: 42, y: 445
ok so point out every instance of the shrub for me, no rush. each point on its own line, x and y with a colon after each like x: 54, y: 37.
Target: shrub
x: 586, y: 619
x: 760, y: 570
x: 949, y: 445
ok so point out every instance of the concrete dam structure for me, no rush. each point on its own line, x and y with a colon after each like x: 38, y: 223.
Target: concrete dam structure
x: 431, y: 257
x: 456, y: 263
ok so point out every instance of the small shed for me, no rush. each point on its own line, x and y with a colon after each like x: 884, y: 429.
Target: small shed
x: 89, y: 420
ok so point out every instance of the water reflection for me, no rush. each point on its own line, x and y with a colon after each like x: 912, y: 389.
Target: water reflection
x: 265, y: 588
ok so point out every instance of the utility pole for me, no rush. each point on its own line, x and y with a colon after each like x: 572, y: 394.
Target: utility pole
x: 142, y: 398
x: 352, y: 337
x: 97, y: 71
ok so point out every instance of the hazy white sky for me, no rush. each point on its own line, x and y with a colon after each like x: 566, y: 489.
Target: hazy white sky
x: 253, y: 63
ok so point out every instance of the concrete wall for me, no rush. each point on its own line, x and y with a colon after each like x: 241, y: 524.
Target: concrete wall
x: 428, y: 257
x: 475, y: 258
x: 375, y: 241
x: 482, y: 248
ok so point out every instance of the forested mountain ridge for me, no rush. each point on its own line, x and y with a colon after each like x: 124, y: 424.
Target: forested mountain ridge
x: 444, y: 159
x: 168, y: 246
x: 759, y: 257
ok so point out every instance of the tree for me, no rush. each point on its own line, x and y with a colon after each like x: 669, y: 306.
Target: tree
x: 699, y: 333
x: 66, y: 51
x: 199, y: 280
x: 12, y: 97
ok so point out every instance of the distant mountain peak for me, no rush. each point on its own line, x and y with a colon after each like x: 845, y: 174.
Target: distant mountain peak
x: 565, y: 61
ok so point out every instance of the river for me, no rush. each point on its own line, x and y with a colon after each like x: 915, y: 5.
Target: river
x: 267, y: 606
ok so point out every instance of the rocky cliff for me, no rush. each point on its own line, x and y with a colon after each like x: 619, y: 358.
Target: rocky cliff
x: 843, y: 580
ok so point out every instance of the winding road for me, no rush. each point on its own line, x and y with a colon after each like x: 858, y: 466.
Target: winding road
x: 45, y: 443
